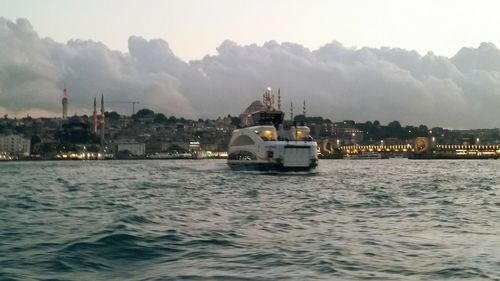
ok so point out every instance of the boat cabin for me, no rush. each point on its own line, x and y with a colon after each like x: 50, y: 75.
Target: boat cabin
x: 274, y: 118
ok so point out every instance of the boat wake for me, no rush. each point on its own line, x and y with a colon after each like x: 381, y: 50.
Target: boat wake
x: 280, y: 173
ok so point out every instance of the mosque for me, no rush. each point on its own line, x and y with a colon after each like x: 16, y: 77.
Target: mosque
x: 76, y: 130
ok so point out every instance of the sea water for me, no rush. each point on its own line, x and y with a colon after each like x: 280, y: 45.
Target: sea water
x: 198, y: 220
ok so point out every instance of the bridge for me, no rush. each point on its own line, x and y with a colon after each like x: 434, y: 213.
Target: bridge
x: 354, y: 149
x: 423, y: 147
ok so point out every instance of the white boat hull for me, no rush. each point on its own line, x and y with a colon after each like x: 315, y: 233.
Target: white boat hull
x: 275, y: 155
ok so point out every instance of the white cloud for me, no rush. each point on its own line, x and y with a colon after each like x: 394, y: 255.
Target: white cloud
x: 338, y: 82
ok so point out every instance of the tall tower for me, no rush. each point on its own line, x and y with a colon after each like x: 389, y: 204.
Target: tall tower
x: 94, y: 118
x: 291, y: 111
x: 102, y: 121
x: 65, y: 104
x: 304, y: 109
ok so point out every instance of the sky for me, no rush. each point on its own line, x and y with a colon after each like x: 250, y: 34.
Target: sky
x: 419, y: 62
x: 195, y: 28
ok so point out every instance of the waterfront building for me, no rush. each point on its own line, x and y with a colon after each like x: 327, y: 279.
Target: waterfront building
x: 346, y: 132
x: 15, y: 145
x: 131, y: 146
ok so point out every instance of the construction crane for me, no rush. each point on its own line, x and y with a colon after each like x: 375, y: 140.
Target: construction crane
x: 130, y: 102
x: 133, y: 105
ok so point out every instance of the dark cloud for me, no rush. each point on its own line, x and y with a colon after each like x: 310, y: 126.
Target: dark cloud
x: 338, y: 82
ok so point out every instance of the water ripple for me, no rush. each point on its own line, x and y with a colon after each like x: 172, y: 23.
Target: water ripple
x: 197, y: 220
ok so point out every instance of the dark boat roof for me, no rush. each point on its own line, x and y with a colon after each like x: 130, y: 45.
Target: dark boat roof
x: 268, y: 117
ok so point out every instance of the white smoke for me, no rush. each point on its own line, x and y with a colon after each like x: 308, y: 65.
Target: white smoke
x: 338, y: 83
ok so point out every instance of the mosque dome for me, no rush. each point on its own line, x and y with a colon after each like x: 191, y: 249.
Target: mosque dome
x: 254, y: 106
x: 75, y: 120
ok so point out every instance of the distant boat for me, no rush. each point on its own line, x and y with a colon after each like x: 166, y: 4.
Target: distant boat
x: 267, y: 143
x: 366, y: 155
x: 172, y: 155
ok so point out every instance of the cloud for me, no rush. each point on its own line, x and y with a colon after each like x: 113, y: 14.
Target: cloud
x: 338, y: 82
x: 33, y: 72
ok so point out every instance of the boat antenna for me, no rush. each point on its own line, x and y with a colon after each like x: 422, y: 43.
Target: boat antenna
x: 279, y: 99
x: 268, y: 98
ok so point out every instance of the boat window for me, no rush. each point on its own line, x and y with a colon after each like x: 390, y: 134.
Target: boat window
x: 268, y: 135
x: 301, y: 135
x: 242, y: 140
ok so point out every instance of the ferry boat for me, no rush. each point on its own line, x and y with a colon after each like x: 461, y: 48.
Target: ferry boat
x: 267, y: 143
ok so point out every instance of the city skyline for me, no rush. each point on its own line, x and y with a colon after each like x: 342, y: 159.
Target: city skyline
x: 457, y: 88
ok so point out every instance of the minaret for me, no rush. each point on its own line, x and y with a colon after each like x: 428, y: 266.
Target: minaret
x: 291, y: 111
x: 102, y: 121
x: 94, y: 118
x: 279, y: 99
x: 65, y: 104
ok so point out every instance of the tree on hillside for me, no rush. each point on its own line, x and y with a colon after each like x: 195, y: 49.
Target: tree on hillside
x: 311, y: 120
x: 172, y: 119
x: 395, y: 130
x: 235, y: 121
x: 35, y: 139
x: 112, y: 115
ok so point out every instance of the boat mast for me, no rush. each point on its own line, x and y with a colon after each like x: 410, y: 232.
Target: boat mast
x: 279, y: 100
x: 268, y: 99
